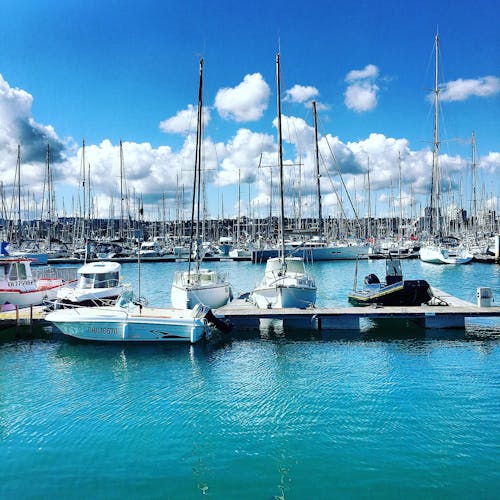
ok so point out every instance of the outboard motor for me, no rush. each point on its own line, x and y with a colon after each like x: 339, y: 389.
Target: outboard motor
x: 201, y: 311
x: 372, y: 279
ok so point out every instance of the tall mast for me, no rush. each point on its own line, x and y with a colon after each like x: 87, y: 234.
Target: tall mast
x: 18, y: 171
x: 122, y: 170
x: 369, y: 201
x: 474, y: 199
x: 400, y: 226
x: 83, y: 190
x: 49, y: 196
x: 238, y: 226
x: 280, y: 161
x: 196, y: 180
x: 435, y: 224
x: 318, y: 176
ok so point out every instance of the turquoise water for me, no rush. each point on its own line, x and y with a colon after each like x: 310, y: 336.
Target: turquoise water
x: 382, y: 414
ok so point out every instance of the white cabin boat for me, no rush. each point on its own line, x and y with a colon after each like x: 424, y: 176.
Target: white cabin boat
x: 150, y: 249
x: 285, y: 284
x: 129, y: 321
x: 19, y: 287
x: 99, y: 283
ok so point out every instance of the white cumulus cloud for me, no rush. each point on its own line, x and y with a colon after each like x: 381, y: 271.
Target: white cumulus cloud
x: 300, y: 93
x: 462, y: 89
x: 245, y: 102
x: 18, y: 127
x: 361, y: 94
x: 361, y: 97
x: 369, y: 71
x: 184, y: 121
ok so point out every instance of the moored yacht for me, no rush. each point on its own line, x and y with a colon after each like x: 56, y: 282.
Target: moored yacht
x: 286, y: 283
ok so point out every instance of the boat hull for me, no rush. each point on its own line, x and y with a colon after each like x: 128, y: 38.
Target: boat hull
x: 24, y: 298
x: 334, y: 252
x: 273, y: 297
x: 204, y: 286
x: 109, y: 325
x: 212, y: 296
x: 438, y: 255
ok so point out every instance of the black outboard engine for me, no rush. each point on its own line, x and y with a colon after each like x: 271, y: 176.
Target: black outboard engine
x: 223, y: 325
x: 371, y: 279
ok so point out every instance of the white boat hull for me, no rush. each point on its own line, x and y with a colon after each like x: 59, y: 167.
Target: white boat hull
x: 204, y: 286
x: 112, y: 325
x: 76, y: 295
x: 27, y: 297
x: 210, y: 295
x: 277, y: 297
x: 438, y: 255
x: 340, y: 252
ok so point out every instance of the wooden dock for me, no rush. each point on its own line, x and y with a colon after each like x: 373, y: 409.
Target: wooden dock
x: 448, y: 311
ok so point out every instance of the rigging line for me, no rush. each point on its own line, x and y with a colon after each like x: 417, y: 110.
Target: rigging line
x: 332, y: 184
x: 341, y: 178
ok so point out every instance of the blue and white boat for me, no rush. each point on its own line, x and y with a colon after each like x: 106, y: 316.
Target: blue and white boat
x: 130, y: 321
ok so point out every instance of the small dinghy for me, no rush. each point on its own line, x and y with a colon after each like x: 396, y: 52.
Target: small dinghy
x: 394, y: 292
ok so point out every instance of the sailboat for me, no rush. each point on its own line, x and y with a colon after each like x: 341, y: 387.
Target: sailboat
x: 197, y: 285
x: 437, y: 252
x: 286, y: 282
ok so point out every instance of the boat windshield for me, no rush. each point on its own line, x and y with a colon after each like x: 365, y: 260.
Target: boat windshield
x: 295, y: 266
x: 99, y: 280
x: 393, y: 267
x: 125, y: 298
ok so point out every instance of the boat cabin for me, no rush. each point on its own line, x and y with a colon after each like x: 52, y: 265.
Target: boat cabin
x: 16, y: 270
x: 99, y: 275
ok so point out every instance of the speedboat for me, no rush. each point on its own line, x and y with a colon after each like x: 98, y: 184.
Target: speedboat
x: 394, y: 292
x: 131, y: 321
x: 19, y: 287
x: 286, y: 283
x: 99, y: 283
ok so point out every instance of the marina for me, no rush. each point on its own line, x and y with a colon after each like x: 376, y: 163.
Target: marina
x: 332, y: 312
x: 249, y: 251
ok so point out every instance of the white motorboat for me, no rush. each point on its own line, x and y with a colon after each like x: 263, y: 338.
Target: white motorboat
x: 285, y: 284
x: 130, y: 321
x: 150, y: 249
x: 99, y: 283
x: 196, y: 285
x: 19, y: 287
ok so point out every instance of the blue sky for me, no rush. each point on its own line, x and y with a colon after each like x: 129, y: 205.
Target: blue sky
x: 105, y: 70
